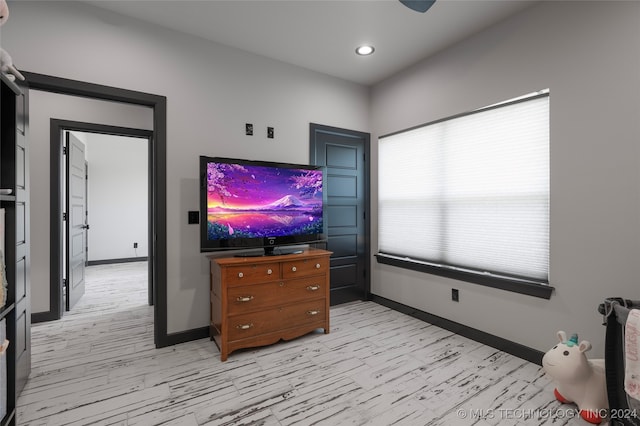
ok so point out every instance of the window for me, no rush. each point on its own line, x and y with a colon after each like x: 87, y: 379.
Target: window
x: 468, y: 196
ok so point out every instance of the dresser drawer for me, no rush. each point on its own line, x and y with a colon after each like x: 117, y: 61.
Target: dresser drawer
x: 257, y: 323
x: 251, y: 273
x: 304, y: 313
x: 260, y: 296
x: 304, y: 267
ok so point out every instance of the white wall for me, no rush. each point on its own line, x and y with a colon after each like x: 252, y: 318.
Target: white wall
x: 588, y: 55
x: 42, y: 107
x: 118, y: 196
x: 211, y: 91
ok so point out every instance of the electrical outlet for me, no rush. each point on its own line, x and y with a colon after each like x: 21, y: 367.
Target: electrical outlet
x: 135, y: 245
x: 248, y: 129
x: 455, y: 295
x: 270, y: 132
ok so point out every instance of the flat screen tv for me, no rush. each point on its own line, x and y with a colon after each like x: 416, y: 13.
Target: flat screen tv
x: 258, y: 204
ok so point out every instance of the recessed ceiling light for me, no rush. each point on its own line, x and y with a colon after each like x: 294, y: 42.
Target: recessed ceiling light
x: 365, y: 50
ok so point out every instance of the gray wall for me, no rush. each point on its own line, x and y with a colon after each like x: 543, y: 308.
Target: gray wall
x: 211, y: 91
x: 588, y: 55
x: 118, y: 196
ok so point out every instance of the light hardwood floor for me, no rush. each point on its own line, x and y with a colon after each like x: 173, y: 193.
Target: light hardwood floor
x: 98, y: 366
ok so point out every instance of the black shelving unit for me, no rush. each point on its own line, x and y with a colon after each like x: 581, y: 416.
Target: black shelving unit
x: 14, y: 176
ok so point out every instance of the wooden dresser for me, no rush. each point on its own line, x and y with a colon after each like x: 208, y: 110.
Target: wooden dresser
x: 257, y: 301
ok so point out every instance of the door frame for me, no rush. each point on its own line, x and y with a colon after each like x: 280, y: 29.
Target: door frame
x: 366, y: 137
x: 157, y: 186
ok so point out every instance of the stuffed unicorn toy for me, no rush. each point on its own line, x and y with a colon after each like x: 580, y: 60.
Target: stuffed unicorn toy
x: 6, y: 63
x: 578, y: 379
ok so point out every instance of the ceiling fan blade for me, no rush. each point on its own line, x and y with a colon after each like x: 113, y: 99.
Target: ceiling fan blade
x: 418, y: 5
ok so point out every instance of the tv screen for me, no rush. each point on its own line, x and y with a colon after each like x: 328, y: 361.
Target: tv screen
x: 251, y: 204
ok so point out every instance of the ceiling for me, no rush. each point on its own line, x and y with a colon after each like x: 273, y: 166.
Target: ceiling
x: 322, y: 35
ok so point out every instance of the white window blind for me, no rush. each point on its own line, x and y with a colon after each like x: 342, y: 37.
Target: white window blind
x: 471, y: 191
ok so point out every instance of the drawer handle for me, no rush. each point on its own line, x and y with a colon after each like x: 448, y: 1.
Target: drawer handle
x: 313, y: 312
x: 317, y: 266
x: 244, y: 298
x: 294, y: 269
x: 313, y: 287
x: 240, y: 275
x: 244, y: 326
x: 281, y: 284
x: 269, y: 272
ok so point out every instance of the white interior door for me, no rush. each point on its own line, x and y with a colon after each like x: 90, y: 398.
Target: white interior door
x: 76, y: 220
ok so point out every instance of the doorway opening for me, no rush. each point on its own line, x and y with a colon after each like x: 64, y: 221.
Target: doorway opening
x: 106, y: 219
x: 68, y: 215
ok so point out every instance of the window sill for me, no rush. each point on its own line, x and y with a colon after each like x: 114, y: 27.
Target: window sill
x: 521, y: 286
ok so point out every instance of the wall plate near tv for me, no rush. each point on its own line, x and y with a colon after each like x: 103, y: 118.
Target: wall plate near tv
x: 247, y: 204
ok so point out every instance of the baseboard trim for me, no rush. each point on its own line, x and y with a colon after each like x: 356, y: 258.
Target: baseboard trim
x: 513, y: 348
x: 121, y: 260
x: 186, y: 336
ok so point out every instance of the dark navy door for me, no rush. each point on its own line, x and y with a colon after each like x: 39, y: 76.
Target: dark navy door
x: 345, y: 153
